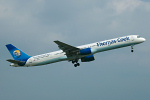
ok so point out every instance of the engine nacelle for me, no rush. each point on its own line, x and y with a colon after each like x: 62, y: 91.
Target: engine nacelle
x: 88, y: 58
x: 85, y: 51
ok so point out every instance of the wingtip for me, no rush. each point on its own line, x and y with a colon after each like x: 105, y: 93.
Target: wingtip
x: 56, y: 41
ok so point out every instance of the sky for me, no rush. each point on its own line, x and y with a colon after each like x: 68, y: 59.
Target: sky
x: 33, y: 25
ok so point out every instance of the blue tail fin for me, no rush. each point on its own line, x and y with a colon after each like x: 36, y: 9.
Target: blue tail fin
x: 17, y: 54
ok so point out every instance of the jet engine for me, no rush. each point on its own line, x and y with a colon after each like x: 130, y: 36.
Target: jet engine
x: 85, y: 51
x: 88, y: 58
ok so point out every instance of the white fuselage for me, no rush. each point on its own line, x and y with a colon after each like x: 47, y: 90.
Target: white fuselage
x: 96, y: 47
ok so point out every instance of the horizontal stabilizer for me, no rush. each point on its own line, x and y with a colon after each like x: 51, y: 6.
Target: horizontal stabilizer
x: 16, y: 61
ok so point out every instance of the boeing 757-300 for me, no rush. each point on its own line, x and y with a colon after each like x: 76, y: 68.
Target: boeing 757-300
x: 85, y: 53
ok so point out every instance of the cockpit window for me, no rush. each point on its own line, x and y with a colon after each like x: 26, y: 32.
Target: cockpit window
x: 138, y: 36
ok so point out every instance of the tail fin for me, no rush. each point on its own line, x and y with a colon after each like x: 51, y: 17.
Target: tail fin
x: 16, y: 53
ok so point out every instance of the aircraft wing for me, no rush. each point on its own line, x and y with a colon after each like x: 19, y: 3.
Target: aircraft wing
x: 15, y: 61
x: 70, y: 50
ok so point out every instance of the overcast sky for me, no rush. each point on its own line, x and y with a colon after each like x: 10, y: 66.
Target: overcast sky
x: 33, y: 25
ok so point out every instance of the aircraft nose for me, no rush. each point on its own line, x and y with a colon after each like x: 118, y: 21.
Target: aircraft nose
x: 143, y: 39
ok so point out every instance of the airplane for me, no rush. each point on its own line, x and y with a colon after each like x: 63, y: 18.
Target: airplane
x: 85, y: 53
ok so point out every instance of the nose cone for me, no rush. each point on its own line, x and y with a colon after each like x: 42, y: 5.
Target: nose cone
x: 143, y: 39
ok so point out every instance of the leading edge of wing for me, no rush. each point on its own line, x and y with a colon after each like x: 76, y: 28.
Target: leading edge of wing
x: 68, y: 49
x: 65, y: 47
